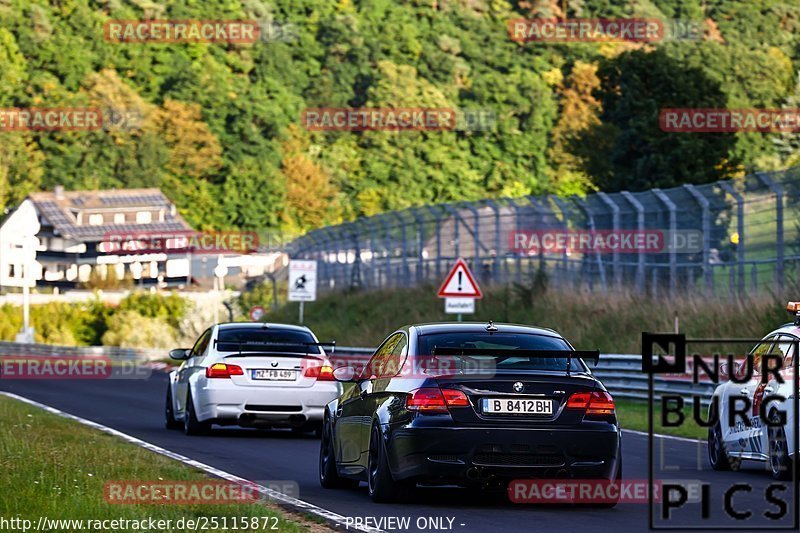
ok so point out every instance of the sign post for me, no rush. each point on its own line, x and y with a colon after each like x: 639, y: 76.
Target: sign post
x: 302, y: 283
x: 460, y: 290
x: 28, y: 252
x: 220, y: 271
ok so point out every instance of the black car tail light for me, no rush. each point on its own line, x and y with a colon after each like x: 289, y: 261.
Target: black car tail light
x: 434, y: 400
x: 598, y: 403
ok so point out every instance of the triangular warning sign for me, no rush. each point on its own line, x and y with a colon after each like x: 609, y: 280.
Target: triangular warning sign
x: 460, y: 283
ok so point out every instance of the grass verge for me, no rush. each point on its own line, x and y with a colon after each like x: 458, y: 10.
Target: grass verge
x: 612, y: 323
x: 632, y: 414
x: 58, y: 468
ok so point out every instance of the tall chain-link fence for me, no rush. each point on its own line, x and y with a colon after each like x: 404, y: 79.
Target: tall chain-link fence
x: 726, y: 238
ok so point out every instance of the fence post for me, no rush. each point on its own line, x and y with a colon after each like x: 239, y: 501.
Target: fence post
x: 706, y: 225
x: 476, y: 234
x: 637, y: 205
x: 432, y: 210
x: 565, y: 216
x: 355, y: 278
x: 778, y: 190
x: 456, y: 244
x: 387, y: 245
x: 590, y: 219
x: 727, y: 187
x: 372, y: 258
x: 673, y: 226
x: 322, y: 254
x: 615, y: 226
x: 496, y: 270
x: 340, y: 248
x: 517, y: 255
x: 541, y: 213
x: 403, y: 246
x: 420, y: 243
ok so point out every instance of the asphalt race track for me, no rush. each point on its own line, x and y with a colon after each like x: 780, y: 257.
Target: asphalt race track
x: 135, y: 407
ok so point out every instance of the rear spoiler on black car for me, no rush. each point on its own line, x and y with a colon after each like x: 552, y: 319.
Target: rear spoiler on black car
x: 586, y: 355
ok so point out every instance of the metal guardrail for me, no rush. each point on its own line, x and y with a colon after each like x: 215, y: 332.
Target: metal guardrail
x: 621, y: 373
x: 112, y: 352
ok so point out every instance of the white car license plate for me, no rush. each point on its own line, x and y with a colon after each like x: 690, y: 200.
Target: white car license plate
x: 525, y: 406
x: 275, y: 375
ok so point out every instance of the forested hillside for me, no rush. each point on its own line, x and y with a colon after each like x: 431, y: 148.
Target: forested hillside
x: 216, y: 126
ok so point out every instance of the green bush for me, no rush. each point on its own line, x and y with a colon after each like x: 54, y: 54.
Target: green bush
x: 154, y: 320
x: 170, y: 308
x: 129, y: 329
x: 54, y: 323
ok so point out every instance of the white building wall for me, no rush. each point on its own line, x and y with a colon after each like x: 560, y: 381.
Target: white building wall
x: 18, y: 245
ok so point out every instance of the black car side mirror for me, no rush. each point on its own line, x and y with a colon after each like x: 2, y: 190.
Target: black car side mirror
x: 180, y: 354
x: 345, y: 374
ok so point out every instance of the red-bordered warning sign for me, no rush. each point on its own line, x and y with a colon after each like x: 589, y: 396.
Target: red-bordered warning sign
x: 460, y: 283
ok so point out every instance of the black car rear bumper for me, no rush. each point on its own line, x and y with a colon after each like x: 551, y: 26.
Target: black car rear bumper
x: 469, y: 454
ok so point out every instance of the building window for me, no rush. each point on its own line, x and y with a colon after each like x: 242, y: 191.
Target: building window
x: 144, y: 217
x: 119, y: 218
x: 96, y: 220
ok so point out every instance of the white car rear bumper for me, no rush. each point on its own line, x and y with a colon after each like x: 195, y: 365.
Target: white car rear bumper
x: 226, y: 403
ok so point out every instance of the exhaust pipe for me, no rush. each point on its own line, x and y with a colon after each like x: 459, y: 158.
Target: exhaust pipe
x: 473, y: 474
x: 297, y: 421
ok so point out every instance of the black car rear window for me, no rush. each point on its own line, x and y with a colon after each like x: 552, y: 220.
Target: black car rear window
x: 266, y: 340
x: 499, y: 349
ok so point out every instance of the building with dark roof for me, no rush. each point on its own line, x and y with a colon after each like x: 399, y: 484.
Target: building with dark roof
x: 73, y: 234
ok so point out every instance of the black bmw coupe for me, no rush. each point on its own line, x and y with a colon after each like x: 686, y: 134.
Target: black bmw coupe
x: 469, y: 404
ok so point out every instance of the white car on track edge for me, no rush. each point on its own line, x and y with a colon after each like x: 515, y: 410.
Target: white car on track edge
x: 251, y: 374
x: 767, y: 400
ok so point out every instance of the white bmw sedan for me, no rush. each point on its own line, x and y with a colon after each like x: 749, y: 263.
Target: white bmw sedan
x: 251, y: 375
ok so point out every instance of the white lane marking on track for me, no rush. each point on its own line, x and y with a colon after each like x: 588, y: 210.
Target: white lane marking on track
x: 660, y: 436
x: 276, y: 496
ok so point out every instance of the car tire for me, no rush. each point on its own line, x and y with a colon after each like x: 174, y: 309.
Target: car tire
x: 328, y: 476
x: 169, y: 412
x: 780, y: 463
x: 717, y: 454
x: 382, y: 486
x: 191, y: 425
x: 618, y: 480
